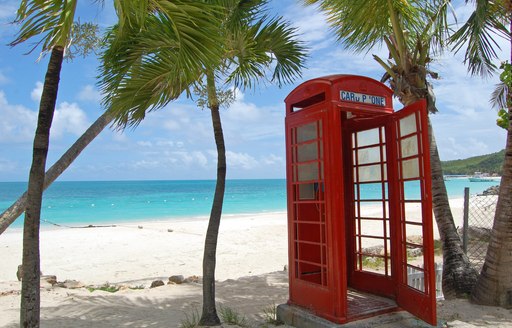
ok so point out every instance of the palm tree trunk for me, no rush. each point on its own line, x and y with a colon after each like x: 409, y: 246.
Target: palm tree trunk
x: 494, y: 286
x: 209, y: 315
x: 459, y: 276
x: 30, y: 294
x: 18, y: 207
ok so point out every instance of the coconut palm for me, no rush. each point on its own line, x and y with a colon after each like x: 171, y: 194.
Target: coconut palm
x: 252, y: 45
x: 53, y: 22
x: 492, y: 19
x: 140, y: 65
x: 414, y: 32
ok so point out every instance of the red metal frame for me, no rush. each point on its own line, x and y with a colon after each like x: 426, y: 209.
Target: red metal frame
x: 327, y: 166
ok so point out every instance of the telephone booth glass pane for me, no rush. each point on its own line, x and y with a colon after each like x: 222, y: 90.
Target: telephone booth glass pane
x: 408, y: 125
x: 307, y: 152
x: 409, y: 146
x: 307, y: 132
x: 411, y: 179
x: 371, y: 208
x: 410, y: 169
x: 310, y: 260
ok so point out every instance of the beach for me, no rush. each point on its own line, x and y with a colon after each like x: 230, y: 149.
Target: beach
x: 251, y: 258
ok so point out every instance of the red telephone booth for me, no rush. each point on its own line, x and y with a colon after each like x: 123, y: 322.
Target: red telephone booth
x: 359, y: 201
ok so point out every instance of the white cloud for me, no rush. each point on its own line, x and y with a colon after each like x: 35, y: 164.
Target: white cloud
x: 69, y: 118
x: 191, y: 158
x: 312, y: 26
x: 37, y: 92
x: 89, y: 93
x: 171, y: 125
x: 17, y: 124
x: 148, y: 144
x: 242, y: 112
x: 165, y: 143
x: 242, y: 160
x: 273, y: 159
x: 147, y: 164
x: 172, y: 159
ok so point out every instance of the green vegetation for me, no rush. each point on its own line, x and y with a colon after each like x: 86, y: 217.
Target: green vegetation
x: 270, y: 315
x: 106, y: 288
x: 191, y: 319
x: 371, y: 262
x: 232, y: 317
x: 438, y: 247
x: 491, y: 163
x: 228, y: 316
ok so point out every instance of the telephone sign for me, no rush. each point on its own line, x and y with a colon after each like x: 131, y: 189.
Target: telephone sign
x: 362, y: 98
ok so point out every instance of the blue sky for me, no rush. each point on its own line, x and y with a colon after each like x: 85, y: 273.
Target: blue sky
x: 176, y: 142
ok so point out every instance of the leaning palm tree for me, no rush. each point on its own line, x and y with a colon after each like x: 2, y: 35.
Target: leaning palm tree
x: 492, y: 19
x: 188, y: 48
x: 253, y: 44
x: 18, y: 207
x: 414, y: 32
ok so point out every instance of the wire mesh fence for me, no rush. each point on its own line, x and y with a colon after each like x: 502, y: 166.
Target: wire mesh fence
x: 478, y: 220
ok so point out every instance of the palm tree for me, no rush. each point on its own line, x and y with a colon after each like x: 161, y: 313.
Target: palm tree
x: 414, y: 32
x: 489, y: 20
x: 245, y: 43
x: 252, y: 44
x: 54, y: 20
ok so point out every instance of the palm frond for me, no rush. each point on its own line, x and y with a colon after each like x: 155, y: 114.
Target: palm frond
x: 479, y: 32
x: 152, y: 61
x: 499, y: 96
x: 269, y: 44
x: 51, y: 20
x: 437, y: 30
x: 387, y: 67
x: 361, y: 25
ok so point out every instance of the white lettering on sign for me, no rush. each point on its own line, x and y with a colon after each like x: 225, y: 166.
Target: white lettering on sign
x: 362, y: 98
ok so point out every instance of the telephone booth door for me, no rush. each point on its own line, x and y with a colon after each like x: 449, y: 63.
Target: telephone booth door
x: 389, y: 216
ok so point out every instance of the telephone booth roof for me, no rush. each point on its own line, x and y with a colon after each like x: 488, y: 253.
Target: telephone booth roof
x: 349, y: 92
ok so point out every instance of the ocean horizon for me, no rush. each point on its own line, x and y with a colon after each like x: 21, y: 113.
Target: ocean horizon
x: 78, y: 203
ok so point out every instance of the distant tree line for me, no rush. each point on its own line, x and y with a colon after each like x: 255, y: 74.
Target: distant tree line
x: 491, y: 163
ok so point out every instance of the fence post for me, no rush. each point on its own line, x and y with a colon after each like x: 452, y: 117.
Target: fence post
x: 465, y: 226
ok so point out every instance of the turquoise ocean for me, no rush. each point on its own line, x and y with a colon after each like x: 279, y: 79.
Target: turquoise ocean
x: 77, y: 203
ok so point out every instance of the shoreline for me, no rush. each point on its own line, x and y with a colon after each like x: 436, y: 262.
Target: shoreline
x: 49, y: 225
x: 157, y: 250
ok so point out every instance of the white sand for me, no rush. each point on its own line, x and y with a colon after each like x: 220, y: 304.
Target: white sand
x: 250, y: 247
x: 247, y: 245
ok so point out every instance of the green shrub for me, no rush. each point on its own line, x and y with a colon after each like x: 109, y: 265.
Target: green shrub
x: 232, y: 317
